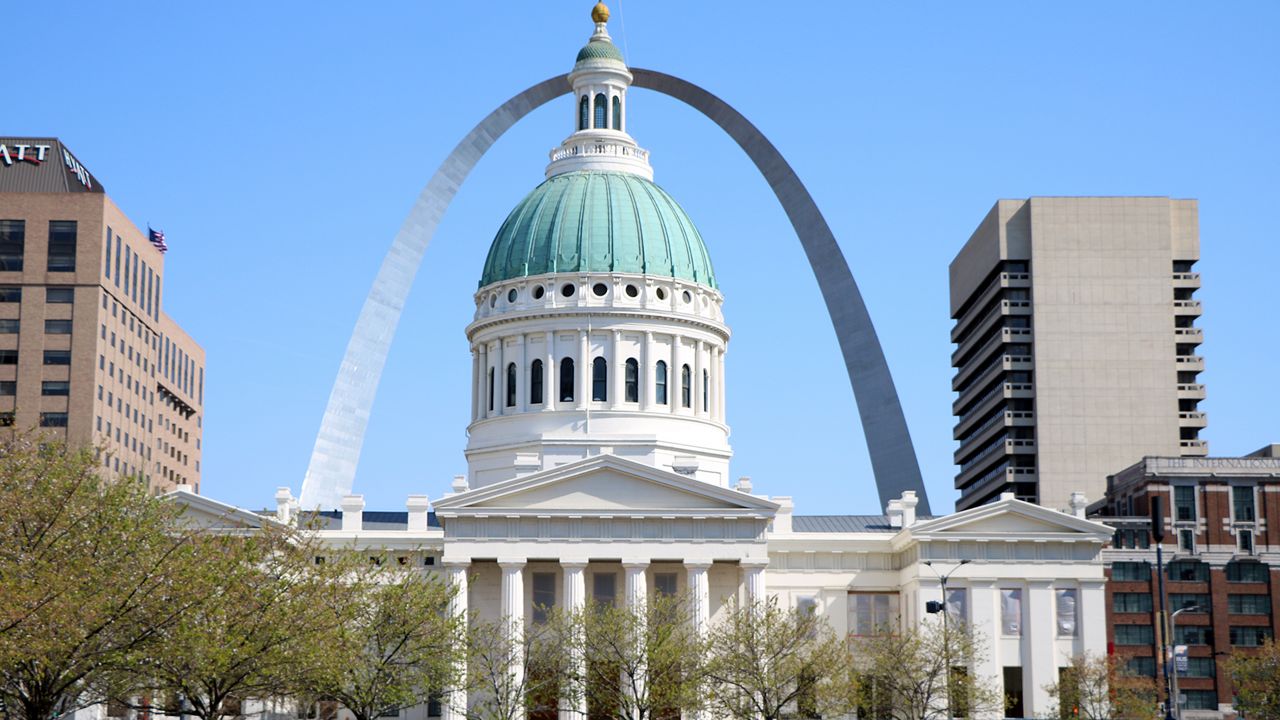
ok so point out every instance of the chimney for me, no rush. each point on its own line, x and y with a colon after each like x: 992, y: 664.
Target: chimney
x: 1007, y: 496
x: 894, y: 511
x: 460, y: 484
x: 284, y: 505
x: 909, y: 502
x: 744, y: 484
x: 352, y: 513
x: 1078, y: 504
x: 185, y: 488
x: 419, y: 508
x: 782, y: 520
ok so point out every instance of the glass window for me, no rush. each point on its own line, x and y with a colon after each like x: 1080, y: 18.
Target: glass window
x: 600, y: 110
x: 1192, y: 634
x: 57, y: 295
x: 8, y: 388
x: 55, y: 387
x: 1131, y: 602
x: 511, y: 384
x: 686, y: 389
x: 1244, y: 541
x: 13, y: 241
x: 600, y: 380
x: 62, y: 245
x: 1249, y: 604
x: 544, y: 595
x: 633, y: 380
x: 1249, y: 636
x: 1140, y: 666
x: 1188, y: 571
x: 57, y: 357
x: 584, y: 112
x: 1011, y: 611
x: 1200, y: 699
x: 8, y: 357
x: 1199, y: 667
x: 108, y: 270
x: 53, y: 419
x: 706, y: 391
x: 665, y: 584
x: 535, y: 383
x: 490, y: 389
x: 1187, y: 540
x: 1246, y: 572
x: 566, y: 380
x: 1178, y: 601
x: 1184, y: 503
x: 1131, y: 571
x: 8, y: 326
x: 10, y: 294
x: 660, y: 382
x: 604, y: 588
x: 57, y: 327
x: 1068, y: 612
x: 1134, y: 634
x: 873, y: 613
x: 617, y: 113
x: 1242, y: 503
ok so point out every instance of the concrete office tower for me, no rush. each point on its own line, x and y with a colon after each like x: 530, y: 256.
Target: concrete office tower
x: 86, y: 352
x: 1075, y: 344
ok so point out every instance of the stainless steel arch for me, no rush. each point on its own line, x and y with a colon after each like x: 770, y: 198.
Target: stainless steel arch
x: 337, y: 450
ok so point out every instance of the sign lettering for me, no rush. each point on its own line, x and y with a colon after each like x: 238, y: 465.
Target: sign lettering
x: 19, y: 153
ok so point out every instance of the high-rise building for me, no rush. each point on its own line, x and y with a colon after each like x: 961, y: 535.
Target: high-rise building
x: 86, y: 352
x: 1075, y: 344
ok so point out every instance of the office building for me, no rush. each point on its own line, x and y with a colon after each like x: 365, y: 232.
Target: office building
x: 87, y: 353
x: 1075, y: 344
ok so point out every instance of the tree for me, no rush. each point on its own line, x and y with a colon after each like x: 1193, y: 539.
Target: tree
x: 904, y: 675
x: 1097, y: 687
x: 88, y: 576
x: 1256, y: 677
x: 392, y: 642
x: 640, y: 662
x: 764, y: 661
x: 515, y: 670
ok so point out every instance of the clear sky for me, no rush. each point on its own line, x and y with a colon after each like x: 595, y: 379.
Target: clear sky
x: 280, y: 145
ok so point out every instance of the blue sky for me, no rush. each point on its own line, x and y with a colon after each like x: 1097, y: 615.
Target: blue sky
x: 280, y: 145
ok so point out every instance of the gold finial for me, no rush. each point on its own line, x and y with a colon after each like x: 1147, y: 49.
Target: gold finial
x: 600, y: 13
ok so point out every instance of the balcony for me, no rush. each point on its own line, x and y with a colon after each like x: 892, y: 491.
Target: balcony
x: 1187, y: 307
x: 1006, y: 390
x: 1190, y: 336
x: 1005, y: 335
x: 1191, y: 391
x: 1194, y: 447
x: 1190, y: 363
x: 978, y: 483
x: 1186, y: 280
x: 1193, y: 419
x: 1000, y: 364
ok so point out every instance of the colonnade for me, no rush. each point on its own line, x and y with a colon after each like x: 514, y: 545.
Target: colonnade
x: 635, y: 595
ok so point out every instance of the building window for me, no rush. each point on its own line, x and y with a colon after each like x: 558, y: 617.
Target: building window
x: 1141, y: 666
x: 535, y: 383
x: 660, y: 382
x: 10, y: 294
x: 584, y: 112
x: 600, y: 109
x: 1011, y: 611
x: 1242, y: 503
x: 8, y: 357
x: 57, y: 327
x: 1252, y: 636
x: 1244, y: 541
x: 53, y: 419
x: 1122, y: 602
x: 1135, y: 634
x: 511, y: 384
x: 1200, y: 699
x: 8, y: 326
x: 665, y: 584
x: 1068, y: 607
x: 873, y: 613
x: 1249, y: 604
x: 599, y: 380
x: 566, y: 380
x: 490, y: 389
x: 1184, y: 503
x: 55, y: 387
x: 62, y: 245
x: 633, y: 380
x: 686, y: 387
x: 617, y: 113
x: 57, y: 295
x: 1246, y: 572
x: 57, y: 357
x: 1181, y: 601
x: 1131, y: 572
x: 13, y: 241
x: 1193, y: 635
x: 706, y: 391
x: 8, y: 388
x: 1187, y: 540
x: 958, y: 604
x: 604, y: 588
x: 544, y: 595
x: 1188, y: 571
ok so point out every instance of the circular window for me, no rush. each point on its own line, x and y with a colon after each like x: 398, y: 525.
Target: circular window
x: 662, y: 294
x: 567, y: 290
x: 632, y: 291
x: 600, y: 289
x: 538, y: 292
x: 687, y: 297
x: 511, y: 295
x: 493, y: 301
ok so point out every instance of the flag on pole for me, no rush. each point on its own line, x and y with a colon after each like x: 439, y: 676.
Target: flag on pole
x: 157, y: 239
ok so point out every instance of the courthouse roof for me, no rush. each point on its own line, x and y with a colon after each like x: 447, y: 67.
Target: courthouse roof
x: 844, y: 523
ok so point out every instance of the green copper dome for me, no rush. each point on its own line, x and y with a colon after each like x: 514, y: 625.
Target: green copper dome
x: 598, y: 222
x: 599, y: 49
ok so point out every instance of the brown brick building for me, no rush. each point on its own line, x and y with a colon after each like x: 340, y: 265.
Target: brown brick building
x: 1221, y: 519
x: 86, y: 350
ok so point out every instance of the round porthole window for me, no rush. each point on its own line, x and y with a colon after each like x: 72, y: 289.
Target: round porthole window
x: 567, y: 290
x: 600, y: 289
x: 632, y: 291
x: 493, y: 301
x: 538, y: 292
x: 662, y: 294
x: 511, y: 295
x: 687, y: 297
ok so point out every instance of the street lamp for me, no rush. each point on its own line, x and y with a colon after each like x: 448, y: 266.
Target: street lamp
x: 1173, y: 627
x: 941, y: 607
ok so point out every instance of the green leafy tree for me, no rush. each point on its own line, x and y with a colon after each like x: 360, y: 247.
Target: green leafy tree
x: 89, y: 574
x: 514, y: 671
x: 1256, y: 676
x: 765, y: 661
x: 1096, y: 687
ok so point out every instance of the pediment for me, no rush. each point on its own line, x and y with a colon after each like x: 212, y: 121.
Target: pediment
x: 605, y: 484
x: 204, y: 513
x: 1011, y: 518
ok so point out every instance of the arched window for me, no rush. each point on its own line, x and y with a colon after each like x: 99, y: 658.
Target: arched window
x: 490, y: 389
x: 706, y: 384
x: 566, y: 380
x: 617, y: 113
x: 535, y: 383
x: 601, y: 108
x: 660, y: 382
x: 686, y: 387
x: 511, y: 384
x: 599, y: 380
x: 584, y: 113
x: 633, y: 380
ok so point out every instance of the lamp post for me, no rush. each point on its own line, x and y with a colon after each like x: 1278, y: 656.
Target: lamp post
x: 1157, y: 534
x: 1173, y: 627
x: 936, y: 607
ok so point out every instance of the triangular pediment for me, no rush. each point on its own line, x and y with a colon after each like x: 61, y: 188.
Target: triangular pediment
x: 604, y: 484
x: 202, y: 512
x: 1011, y: 518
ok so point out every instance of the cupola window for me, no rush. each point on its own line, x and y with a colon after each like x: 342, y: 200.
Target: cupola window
x: 511, y: 385
x: 584, y: 113
x: 617, y: 113
x: 600, y: 380
x: 706, y: 392
x: 490, y: 389
x: 686, y: 387
x: 602, y: 108
x: 633, y: 380
x: 535, y: 383
x: 566, y: 380
x: 660, y: 382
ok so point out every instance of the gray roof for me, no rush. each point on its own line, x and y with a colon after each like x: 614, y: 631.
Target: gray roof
x: 372, y: 519
x: 843, y: 523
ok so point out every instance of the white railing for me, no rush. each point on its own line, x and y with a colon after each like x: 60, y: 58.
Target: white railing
x: 599, y: 148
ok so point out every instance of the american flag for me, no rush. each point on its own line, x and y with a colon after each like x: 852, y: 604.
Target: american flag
x: 157, y: 238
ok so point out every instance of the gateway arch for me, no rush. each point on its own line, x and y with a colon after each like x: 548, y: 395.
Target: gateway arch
x: 331, y: 472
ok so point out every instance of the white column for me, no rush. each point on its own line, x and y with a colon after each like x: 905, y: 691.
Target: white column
x: 475, y: 375
x: 647, y: 362
x: 574, y: 707
x: 699, y: 594
x: 1091, y: 617
x: 583, y: 392
x: 499, y: 380
x: 699, y: 409
x: 637, y: 598
x: 484, y: 380
x: 984, y: 614
x: 513, y: 612
x: 753, y: 580
x: 522, y: 371
x: 551, y: 374
x: 455, y: 703
x: 617, y: 371
x: 720, y: 384
x: 1040, y: 666
x: 673, y: 376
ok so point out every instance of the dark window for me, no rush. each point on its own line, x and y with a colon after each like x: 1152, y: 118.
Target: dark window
x: 535, y: 383
x: 62, y: 245
x: 566, y: 380
x: 599, y: 380
x: 604, y: 588
x: 686, y: 389
x: 53, y: 419
x: 8, y: 326
x: 617, y: 113
x: 1246, y: 572
x: 1242, y: 502
x: 1199, y: 667
x: 1249, y: 604
x: 511, y: 384
x: 490, y: 389
x: 544, y: 595
x: 1131, y: 602
x: 1134, y: 635
x: 8, y: 357
x: 1193, y: 635
x: 601, y: 108
x: 57, y: 327
x: 10, y: 294
x: 8, y: 387
x: 13, y: 241
x: 633, y: 380
x: 1141, y: 666
x: 59, y: 295
x: 706, y: 391
x: 1013, y: 692
x: 1131, y: 571
x: 1187, y: 540
x: 1200, y: 699
x: 108, y: 270
x: 1249, y: 636
x: 6, y: 419
x: 55, y: 387
x: 584, y: 112
x: 665, y: 584
x: 1188, y: 571
x: 1184, y: 503
x: 1179, y: 601
x: 660, y: 382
